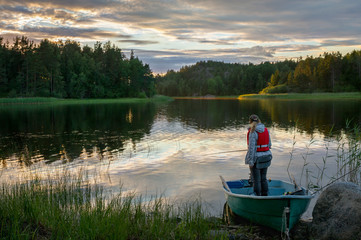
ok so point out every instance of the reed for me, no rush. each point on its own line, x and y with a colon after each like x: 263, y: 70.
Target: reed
x: 349, y: 154
x: 71, y: 207
x: 346, y: 153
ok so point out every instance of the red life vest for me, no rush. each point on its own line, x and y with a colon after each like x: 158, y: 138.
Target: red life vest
x: 262, y: 142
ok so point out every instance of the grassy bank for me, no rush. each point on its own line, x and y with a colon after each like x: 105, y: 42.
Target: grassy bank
x: 45, y: 100
x: 72, y: 208
x: 303, y: 96
x: 209, y: 97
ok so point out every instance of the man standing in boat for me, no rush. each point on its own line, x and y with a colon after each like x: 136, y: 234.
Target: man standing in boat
x: 258, y: 155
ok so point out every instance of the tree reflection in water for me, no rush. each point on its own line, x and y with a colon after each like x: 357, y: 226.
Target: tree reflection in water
x: 178, y: 148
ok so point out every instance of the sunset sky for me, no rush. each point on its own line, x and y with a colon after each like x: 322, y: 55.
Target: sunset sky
x: 169, y: 34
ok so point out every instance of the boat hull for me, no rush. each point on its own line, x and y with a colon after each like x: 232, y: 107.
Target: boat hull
x: 277, y: 211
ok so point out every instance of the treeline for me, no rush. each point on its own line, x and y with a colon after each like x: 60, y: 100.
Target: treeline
x: 330, y: 72
x: 66, y: 70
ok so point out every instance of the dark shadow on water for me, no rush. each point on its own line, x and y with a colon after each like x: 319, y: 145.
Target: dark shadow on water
x: 310, y: 115
x: 53, y: 132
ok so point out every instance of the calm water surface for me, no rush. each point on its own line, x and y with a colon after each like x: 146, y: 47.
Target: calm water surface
x: 175, y: 149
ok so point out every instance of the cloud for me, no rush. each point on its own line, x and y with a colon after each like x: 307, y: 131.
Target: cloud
x: 161, y: 61
x: 349, y: 42
x: 15, y: 9
x: 258, y: 51
x: 185, y: 31
x: 72, y: 32
x: 261, y: 20
x: 295, y: 48
x: 67, y: 4
x: 137, y: 42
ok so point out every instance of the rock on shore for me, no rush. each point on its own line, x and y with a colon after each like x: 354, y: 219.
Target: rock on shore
x: 337, y: 213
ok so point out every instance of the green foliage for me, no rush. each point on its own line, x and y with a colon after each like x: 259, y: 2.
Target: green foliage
x: 327, y: 73
x: 64, y: 69
x: 12, y: 93
x: 275, y: 78
x: 275, y: 89
x: 215, y: 78
x: 73, y: 207
x: 142, y: 95
x: 306, y: 96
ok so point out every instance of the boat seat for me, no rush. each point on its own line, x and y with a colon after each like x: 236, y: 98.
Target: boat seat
x: 245, y: 191
x: 276, y: 191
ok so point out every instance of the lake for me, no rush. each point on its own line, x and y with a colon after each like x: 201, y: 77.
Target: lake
x: 176, y: 149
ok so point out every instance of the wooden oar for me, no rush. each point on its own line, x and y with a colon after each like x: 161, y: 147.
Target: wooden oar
x: 224, y: 183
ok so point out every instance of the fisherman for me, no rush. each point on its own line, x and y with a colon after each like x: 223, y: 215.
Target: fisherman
x: 258, y: 156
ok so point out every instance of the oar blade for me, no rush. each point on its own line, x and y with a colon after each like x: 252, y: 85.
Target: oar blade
x: 224, y: 183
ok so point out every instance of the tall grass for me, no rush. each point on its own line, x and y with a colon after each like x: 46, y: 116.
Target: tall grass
x: 72, y: 208
x: 349, y: 155
x: 44, y: 100
x: 346, y: 152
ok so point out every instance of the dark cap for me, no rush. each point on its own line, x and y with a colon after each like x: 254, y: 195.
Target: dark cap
x: 253, y: 118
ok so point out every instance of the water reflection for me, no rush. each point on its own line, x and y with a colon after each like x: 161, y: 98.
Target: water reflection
x: 176, y: 149
x: 30, y: 134
x: 310, y: 116
x: 66, y: 132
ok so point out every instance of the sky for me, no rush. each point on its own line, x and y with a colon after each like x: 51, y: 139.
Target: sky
x: 170, y: 34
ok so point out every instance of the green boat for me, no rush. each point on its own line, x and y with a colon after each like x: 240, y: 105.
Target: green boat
x: 280, y: 210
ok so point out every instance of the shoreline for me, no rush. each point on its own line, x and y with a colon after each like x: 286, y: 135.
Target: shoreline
x: 280, y: 96
x: 161, y: 98
x: 61, y: 209
x: 51, y: 100
x: 304, y: 96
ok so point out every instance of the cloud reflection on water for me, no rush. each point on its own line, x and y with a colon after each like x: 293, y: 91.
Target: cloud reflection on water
x: 174, y: 151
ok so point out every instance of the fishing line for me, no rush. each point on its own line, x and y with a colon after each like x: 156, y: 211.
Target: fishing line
x: 321, y: 188
x: 242, y: 150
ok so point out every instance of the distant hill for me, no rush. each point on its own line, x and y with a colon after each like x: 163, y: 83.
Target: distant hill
x: 330, y: 72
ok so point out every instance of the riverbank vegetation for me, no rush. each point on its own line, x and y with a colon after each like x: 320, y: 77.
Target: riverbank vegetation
x: 341, y: 148
x: 77, y: 208
x: 330, y: 72
x: 304, y: 96
x: 44, y: 100
x: 66, y: 70
x: 285, y: 96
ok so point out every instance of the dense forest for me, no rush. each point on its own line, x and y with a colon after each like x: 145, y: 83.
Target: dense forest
x: 330, y: 72
x: 66, y: 70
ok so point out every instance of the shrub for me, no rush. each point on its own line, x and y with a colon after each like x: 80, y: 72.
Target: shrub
x: 275, y: 89
x: 12, y: 93
x: 142, y: 95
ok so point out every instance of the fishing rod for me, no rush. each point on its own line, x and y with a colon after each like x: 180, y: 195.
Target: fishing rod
x: 321, y: 188
x: 241, y: 150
